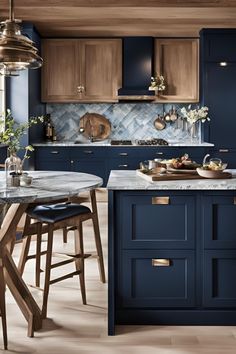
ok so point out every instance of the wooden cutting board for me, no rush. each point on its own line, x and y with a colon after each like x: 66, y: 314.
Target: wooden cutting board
x: 175, y: 176
x: 95, y: 125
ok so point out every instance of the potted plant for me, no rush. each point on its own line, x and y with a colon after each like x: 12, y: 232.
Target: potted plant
x: 11, y: 134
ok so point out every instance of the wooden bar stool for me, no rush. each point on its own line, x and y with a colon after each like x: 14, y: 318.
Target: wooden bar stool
x: 48, y: 219
x: 98, y: 243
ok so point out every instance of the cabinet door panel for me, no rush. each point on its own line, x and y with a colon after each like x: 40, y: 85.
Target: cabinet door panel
x: 219, y: 278
x: 92, y: 166
x: 219, y: 221
x: 177, y: 61
x: 220, y: 47
x: 101, y: 69
x: 49, y: 165
x: 151, y: 225
x: 220, y: 87
x: 60, y: 74
x: 145, y: 284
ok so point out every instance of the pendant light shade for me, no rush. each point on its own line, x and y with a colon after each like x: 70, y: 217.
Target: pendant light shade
x: 17, y: 52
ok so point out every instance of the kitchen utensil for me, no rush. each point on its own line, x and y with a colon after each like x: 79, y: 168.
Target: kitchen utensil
x: 159, y: 123
x: 167, y: 117
x: 173, y: 115
x: 94, y: 126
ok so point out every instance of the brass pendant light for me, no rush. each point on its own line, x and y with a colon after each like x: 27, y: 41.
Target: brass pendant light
x: 17, y: 52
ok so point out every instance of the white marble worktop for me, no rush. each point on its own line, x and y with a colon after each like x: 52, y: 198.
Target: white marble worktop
x: 108, y: 143
x: 48, y: 186
x: 128, y: 180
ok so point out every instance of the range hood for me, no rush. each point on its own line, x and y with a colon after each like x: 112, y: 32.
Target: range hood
x: 137, y: 68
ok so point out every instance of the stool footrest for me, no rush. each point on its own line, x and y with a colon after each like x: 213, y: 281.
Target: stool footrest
x: 69, y: 260
x: 70, y: 275
x: 32, y: 256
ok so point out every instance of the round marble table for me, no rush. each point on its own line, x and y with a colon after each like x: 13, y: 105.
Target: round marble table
x: 47, y: 186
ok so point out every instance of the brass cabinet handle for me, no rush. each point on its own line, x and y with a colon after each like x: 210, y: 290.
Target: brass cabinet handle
x: 54, y: 152
x: 223, y: 150
x: 161, y: 200
x: 72, y: 162
x: 80, y: 89
x: 123, y: 165
x: 159, y: 153
x: 234, y: 200
x: 123, y: 154
x: 160, y: 262
x: 88, y: 151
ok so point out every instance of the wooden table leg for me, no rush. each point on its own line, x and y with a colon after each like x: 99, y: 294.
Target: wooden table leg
x: 12, y: 276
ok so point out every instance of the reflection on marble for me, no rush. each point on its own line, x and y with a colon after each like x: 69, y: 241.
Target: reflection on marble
x: 128, y: 180
x: 48, y: 186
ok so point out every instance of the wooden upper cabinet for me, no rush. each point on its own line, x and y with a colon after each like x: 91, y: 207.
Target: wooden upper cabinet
x: 178, y: 61
x: 60, y: 74
x: 83, y: 70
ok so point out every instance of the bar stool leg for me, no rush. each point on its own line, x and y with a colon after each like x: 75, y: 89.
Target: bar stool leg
x: 38, y: 254
x: 79, y: 263
x: 65, y: 231
x: 3, y: 306
x: 24, y: 254
x: 97, y: 237
x: 47, y: 271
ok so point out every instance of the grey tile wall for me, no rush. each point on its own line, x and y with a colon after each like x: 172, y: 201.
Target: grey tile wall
x: 128, y: 120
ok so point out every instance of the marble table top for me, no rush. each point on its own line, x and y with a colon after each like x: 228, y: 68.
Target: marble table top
x: 48, y: 186
x: 128, y: 180
x: 108, y: 143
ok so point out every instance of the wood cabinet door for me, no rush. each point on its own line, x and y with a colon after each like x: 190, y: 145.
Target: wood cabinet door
x: 60, y: 70
x: 177, y: 60
x: 100, y: 69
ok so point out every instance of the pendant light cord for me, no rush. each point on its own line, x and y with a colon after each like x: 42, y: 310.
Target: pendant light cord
x: 11, y: 10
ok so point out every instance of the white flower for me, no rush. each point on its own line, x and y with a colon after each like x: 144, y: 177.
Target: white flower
x: 194, y: 115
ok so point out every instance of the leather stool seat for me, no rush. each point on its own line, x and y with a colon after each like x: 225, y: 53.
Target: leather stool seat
x: 51, y: 213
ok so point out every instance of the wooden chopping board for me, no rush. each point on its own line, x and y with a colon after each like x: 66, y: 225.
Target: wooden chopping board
x: 175, y: 176
x: 95, y: 125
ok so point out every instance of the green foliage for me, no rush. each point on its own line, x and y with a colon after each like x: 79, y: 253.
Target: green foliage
x: 11, y: 132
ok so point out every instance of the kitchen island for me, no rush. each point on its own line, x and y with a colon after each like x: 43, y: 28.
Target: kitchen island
x: 172, y: 251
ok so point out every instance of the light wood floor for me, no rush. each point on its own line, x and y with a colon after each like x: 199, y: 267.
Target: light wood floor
x: 73, y: 328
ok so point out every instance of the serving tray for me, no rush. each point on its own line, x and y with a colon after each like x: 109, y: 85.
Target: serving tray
x: 152, y: 177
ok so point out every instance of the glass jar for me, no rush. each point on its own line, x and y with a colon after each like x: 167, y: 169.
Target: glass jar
x: 13, y: 169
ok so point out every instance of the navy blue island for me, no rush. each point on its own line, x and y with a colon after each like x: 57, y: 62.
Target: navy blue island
x: 172, y: 251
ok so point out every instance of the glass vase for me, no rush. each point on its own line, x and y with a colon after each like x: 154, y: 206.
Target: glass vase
x: 195, y: 132
x: 13, y: 170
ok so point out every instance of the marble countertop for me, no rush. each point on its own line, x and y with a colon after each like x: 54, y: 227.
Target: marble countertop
x: 128, y: 180
x: 48, y: 186
x: 108, y: 143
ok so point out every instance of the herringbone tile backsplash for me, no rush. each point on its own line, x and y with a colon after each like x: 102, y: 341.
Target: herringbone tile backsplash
x: 128, y: 120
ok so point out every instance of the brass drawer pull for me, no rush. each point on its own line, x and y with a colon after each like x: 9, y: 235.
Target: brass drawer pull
x: 159, y: 262
x: 88, y: 151
x: 123, y: 154
x: 54, y: 152
x: 159, y: 153
x: 223, y: 150
x: 161, y: 200
x: 234, y: 200
x: 123, y: 165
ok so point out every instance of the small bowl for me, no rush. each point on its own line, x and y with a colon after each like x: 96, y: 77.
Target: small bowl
x: 209, y: 173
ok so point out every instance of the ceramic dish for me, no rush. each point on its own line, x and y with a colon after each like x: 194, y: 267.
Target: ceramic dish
x: 180, y: 170
x: 211, y: 173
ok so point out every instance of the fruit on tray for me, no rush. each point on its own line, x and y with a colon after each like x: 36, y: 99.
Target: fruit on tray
x: 183, y: 162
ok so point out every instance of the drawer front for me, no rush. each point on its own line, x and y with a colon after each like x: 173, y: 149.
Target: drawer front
x: 219, y: 221
x: 124, y: 163
x: 47, y: 165
x: 52, y: 153
x: 88, y: 152
x: 124, y: 152
x: 157, y: 278
x: 219, y: 278
x: 156, y: 220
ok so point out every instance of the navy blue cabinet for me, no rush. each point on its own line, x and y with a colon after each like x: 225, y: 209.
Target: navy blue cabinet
x: 3, y: 154
x: 147, y: 282
x: 172, y: 261
x: 52, y: 159
x: 146, y: 224
x: 218, y: 68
